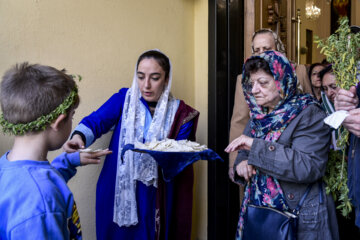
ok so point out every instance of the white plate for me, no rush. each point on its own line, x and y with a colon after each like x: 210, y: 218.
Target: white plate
x: 88, y: 150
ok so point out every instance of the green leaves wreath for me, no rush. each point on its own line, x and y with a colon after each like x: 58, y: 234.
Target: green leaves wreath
x: 43, y: 121
x: 342, y: 51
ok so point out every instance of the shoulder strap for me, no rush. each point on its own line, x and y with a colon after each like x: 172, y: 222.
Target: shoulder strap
x: 302, y: 200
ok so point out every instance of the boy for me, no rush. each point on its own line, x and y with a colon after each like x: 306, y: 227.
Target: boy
x: 38, y: 103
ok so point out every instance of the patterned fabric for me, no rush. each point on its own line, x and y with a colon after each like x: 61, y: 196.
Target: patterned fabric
x: 74, y: 224
x: 264, y: 190
x: 137, y: 166
x: 269, y: 126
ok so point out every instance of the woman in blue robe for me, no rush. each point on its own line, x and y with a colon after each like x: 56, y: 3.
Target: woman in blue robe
x: 132, y: 199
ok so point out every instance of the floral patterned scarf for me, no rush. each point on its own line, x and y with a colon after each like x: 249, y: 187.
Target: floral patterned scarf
x: 264, y: 190
x: 269, y: 126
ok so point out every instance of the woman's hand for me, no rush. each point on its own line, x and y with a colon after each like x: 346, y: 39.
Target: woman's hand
x: 93, y: 157
x: 231, y: 173
x: 74, y: 144
x: 241, y: 143
x: 245, y: 170
x: 346, y: 100
x: 352, y: 122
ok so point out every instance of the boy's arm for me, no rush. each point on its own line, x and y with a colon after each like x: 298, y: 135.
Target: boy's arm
x: 44, y: 226
x: 66, y: 164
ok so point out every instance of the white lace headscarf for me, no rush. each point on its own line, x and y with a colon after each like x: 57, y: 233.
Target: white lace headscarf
x: 137, y: 166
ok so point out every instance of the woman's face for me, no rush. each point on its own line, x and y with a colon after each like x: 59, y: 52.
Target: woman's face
x: 315, y: 77
x: 263, y: 42
x: 329, y: 86
x: 151, y: 79
x: 264, y: 89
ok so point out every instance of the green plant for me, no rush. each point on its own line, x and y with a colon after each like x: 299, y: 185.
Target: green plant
x: 342, y: 51
x: 336, y: 180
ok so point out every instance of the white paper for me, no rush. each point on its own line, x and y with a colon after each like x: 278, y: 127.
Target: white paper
x: 335, y: 119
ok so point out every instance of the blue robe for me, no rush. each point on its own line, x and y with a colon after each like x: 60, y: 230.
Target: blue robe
x: 92, y: 127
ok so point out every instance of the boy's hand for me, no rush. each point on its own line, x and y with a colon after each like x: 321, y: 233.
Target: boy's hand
x: 93, y: 157
x: 74, y: 144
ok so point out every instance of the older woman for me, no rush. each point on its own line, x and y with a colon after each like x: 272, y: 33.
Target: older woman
x: 262, y: 40
x: 284, y: 148
x: 132, y: 200
x: 330, y: 89
x: 328, y: 83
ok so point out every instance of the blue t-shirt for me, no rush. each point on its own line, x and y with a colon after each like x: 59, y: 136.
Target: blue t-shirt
x: 35, y: 202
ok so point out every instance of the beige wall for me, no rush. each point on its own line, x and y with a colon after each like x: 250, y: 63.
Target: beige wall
x: 101, y: 40
x: 201, y: 103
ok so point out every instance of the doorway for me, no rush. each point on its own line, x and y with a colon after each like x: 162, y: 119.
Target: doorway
x: 226, y: 30
x: 309, y: 44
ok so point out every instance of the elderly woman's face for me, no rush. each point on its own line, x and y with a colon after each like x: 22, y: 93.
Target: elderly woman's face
x: 263, y: 42
x: 264, y: 89
x: 151, y: 79
x: 329, y: 86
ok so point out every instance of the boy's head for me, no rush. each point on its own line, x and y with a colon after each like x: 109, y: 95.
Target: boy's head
x: 33, y: 96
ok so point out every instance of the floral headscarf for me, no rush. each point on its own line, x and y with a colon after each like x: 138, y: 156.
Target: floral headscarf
x: 265, y: 190
x: 269, y: 126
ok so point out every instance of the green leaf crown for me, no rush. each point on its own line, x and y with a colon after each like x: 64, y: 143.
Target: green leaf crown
x: 43, y: 121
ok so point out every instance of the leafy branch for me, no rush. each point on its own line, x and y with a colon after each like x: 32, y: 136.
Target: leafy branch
x: 336, y: 181
x: 342, y: 51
